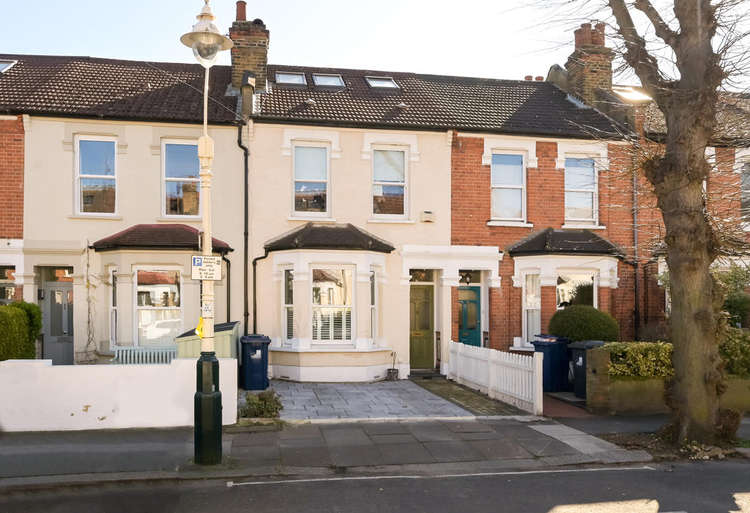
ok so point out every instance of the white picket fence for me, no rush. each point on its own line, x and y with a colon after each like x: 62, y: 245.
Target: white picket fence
x: 512, y: 378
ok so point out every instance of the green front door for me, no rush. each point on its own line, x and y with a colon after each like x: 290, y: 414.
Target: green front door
x: 469, y: 331
x: 421, y: 331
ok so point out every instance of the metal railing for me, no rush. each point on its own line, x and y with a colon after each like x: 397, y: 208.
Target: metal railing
x: 144, y: 355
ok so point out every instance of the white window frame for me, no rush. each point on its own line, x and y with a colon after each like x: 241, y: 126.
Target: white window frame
x: 370, y: 78
x: 296, y: 73
x: 113, y: 313
x: 373, y: 300
x: 525, y: 335
x: 5, y: 283
x: 164, y: 180
x: 136, y: 308
x: 316, y: 75
x: 327, y: 181
x: 524, y: 190
x: 286, y: 339
x: 572, y: 221
x: 405, y: 184
x: 77, y: 198
x: 352, y: 307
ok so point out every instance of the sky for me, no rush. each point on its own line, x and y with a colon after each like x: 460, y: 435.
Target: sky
x: 483, y: 38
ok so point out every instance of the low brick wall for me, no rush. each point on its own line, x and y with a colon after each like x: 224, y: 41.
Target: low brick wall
x: 643, y: 396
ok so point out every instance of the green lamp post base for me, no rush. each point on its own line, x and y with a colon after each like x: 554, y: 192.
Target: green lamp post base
x: 207, y: 411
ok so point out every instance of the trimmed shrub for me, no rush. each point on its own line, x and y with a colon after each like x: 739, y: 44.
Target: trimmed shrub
x: 640, y: 359
x: 580, y: 322
x: 33, y: 317
x: 735, y: 351
x: 266, y: 404
x: 14, y: 334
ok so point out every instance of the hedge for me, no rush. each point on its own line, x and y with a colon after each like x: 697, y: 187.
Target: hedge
x: 14, y: 334
x: 654, y: 359
x: 580, y: 322
x: 33, y: 317
x: 735, y: 351
x: 640, y: 359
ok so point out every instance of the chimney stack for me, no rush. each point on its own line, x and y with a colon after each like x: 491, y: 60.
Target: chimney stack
x: 528, y: 78
x: 539, y: 79
x: 590, y: 65
x: 250, y: 50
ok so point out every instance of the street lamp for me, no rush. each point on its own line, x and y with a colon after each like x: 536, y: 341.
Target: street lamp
x: 206, y: 43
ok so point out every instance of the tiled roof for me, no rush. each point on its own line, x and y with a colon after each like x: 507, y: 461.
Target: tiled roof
x: 329, y: 236
x: 116, y: 89
x: 157, y: 91
x: 157, y: 236
x: 433, y: 101
x: 575, y: 242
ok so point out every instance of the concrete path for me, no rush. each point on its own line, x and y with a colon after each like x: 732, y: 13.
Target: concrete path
x: 382, y: 400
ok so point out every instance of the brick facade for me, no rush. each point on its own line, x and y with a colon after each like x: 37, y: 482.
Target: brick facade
x: 11, y: 177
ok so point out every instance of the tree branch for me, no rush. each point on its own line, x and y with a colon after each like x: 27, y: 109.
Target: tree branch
x: 660, y: 26
x: 636, y: 55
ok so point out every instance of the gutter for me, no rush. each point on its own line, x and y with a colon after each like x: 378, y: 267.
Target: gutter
x: 255, y: 290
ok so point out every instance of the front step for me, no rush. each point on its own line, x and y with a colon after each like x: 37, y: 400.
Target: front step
x: 424, y: 374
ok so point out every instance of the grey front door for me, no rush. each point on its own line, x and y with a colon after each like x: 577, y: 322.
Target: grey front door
x: 57, y: 319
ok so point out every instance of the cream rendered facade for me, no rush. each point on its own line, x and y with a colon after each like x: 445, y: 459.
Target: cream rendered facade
x: 421, y: 238
x: 55, y: 235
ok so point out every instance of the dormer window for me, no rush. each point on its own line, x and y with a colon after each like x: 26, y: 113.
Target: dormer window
x: 6, y: 65
x: 382, y: 82
x: 328, y: 80
x: 290, y: 78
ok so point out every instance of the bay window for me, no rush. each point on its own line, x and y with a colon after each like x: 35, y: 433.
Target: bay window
x: 96, y: 181
x: 182, y: 181
x: 745, y: 191
x: 389, y: 182
x: 332, y: 304
x: 311, y: 180
x: 158, y: 306
x: 580, y: 190
x: 508, y: 188
x: 532, y: 307
x: 576, y: 288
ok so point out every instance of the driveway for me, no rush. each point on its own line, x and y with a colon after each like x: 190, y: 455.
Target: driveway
x: 382, y: 400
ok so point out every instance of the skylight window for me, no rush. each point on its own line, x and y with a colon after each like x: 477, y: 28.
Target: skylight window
x: 382, y: 82
x: 328, y: 80
x: 6, y: 65
x: 291, y: 78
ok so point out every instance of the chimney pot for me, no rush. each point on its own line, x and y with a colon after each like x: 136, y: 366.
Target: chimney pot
x: 528, y: 78
x: 241, y: 10
x: 539, y: 79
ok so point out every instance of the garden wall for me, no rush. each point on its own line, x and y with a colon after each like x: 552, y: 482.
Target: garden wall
x: 643, y: 396
x: 38, y: 396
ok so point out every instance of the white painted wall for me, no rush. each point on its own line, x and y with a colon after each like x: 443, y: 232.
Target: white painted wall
x: 38, y: 396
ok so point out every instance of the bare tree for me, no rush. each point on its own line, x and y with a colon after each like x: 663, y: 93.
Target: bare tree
x: 684, y: 52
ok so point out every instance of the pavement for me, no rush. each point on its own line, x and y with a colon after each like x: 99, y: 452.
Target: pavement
x: 46, y: 459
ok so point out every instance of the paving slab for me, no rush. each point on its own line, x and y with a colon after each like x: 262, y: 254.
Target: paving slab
x: 401, y: 454
x: 453, y: 451
x: 499, y: 449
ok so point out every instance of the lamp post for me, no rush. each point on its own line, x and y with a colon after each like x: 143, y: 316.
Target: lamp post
x: 206, y: 43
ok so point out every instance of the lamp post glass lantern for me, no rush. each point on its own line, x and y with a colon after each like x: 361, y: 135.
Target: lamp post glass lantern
x: 206, y: 43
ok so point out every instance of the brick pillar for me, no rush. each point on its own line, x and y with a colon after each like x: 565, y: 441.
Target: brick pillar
x: 498, y: 337
x: 605, y: 299
x: 11, y: 177
x: 549, y: 306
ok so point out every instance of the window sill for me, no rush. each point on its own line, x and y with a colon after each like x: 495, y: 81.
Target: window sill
x: 522, y: 348
x: 517, y: 224
x: 184, y: 219
x: 315, y: 347
x: 103, y: 217
x: 385, y: 220
x: 312, y: 218
x: 582, y: 226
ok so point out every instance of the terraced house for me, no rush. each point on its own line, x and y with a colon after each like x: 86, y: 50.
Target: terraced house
x: 365, y: 218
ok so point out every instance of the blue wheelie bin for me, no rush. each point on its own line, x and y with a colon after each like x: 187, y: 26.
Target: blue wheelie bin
x: 555, y: 363
x: 254, y: 368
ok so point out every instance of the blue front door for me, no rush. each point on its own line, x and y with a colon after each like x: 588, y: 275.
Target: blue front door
x: 469, y: 329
